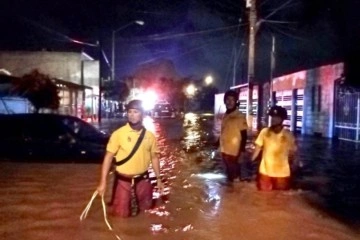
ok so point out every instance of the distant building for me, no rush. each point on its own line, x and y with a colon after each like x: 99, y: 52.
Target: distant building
x: 76, y: 74
x: 309, y: 97
x: 317, y: 102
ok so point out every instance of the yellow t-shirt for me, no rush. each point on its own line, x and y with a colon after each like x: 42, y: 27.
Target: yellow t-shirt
x: 121, y: 143
x: 230, y: 137
x: 276, y: 148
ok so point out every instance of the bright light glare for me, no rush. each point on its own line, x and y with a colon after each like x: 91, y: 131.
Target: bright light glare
x: 209, y: 80
x: 148, y: 123
x: 139, y: 22
x: 190, y: 89
x: 149, y: 99
x: 211, y: 175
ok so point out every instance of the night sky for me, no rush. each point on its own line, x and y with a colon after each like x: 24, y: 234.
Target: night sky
x: 201, y: 37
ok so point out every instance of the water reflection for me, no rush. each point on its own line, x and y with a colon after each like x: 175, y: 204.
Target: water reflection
x: 149, y: 124
x: 192, y: 132
x: 204, y: 166
x: 211, y: 175
x: 158, y: 228
x: 159, y: 211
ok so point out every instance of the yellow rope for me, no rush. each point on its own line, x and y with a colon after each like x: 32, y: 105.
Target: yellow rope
x: 87, y: 208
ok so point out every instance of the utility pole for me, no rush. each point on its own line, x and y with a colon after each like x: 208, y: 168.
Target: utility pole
x: 251, y: 60
x: 234, y: 68
x: 113, y: 56
x: 272, y: 68
x: 113, y: 44
x: 100, y: 81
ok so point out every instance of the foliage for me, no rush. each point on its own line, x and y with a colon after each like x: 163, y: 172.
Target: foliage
x: 39, y: 89
x: 116, y: 90
x: 206, y: 97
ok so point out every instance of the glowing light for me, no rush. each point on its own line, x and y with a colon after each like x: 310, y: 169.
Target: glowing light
x: 4, y: 71
x: 149, y: 99
x: 148, y: 123
x: 213, y: 154
x: 139, y: 22
x: 190, y: 117
x: 209, y: 80
x: 211, y: 175
x: 190, y: 90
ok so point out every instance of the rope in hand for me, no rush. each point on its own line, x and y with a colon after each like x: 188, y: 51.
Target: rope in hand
x: 87, y: 208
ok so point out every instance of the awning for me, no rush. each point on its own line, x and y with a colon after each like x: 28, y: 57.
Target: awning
x: 6, y: 82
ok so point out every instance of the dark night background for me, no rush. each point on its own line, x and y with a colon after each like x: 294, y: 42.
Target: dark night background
x: 199, y: 36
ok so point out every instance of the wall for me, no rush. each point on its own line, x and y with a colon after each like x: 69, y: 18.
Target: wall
x: 78, y: 68
x: 61, y: 65
x: 318, y: 106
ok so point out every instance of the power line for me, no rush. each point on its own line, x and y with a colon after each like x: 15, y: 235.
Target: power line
x: 177, y: 35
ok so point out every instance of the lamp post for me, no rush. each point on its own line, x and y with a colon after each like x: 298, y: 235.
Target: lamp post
x: 100, y: 53
x: 113, y: 45
x: 209, y: 80
x: 251, y: 60
x: 100, y: 82
x: 190, y: 90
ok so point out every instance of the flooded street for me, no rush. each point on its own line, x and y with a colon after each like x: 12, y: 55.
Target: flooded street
x: 44, y: 201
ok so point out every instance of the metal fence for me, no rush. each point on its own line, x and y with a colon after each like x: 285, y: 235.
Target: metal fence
x: 347, y: 114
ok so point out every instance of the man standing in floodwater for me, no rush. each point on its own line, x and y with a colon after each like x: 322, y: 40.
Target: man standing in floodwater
x: 278, y: 148
x: 134, y: 149
x: 233, y: 136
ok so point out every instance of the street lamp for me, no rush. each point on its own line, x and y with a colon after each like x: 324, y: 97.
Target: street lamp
x: 138, y: 22
x: 190, y: 90
x: 209, y: 80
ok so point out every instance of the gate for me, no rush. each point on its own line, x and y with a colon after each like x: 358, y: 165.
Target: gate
x: 347, y: 114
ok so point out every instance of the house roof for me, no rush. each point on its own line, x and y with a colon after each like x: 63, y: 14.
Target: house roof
x: 6, y: 82
x: 71, y: 85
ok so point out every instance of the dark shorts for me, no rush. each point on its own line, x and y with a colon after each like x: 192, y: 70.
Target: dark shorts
x: 266, y: 183
x: 122, y: 196
x: 231, y: 166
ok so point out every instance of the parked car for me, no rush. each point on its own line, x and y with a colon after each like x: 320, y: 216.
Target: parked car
x: 163, y: 110
x: 50, y: 137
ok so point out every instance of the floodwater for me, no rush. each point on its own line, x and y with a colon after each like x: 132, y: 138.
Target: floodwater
x: 44, y: 201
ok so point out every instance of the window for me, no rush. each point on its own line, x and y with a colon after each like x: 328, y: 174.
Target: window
x: 313, y: 98
x: 319, y: 99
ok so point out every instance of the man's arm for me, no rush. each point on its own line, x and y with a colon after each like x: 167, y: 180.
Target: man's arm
x: 243, y: 132
x: 256, y: 152
x: 259, y: 143
x: 156, y: 166
x: 243, y: 140
x: 293, y: 149
x: 104, y: 172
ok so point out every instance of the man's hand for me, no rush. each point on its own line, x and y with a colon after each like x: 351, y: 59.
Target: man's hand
x: 160, y: 185
x: 101, y: 189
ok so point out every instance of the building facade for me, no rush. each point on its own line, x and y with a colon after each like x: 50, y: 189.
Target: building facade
x: 76, y: 74
x: 309, y: 97
x: 316, y: 101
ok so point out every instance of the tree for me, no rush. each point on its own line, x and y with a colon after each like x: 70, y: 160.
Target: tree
x: 39, y: 89
x: 206, y: 97
x: 116, y: 90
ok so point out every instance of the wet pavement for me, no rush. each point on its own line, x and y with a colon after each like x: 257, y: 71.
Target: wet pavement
x: 44, y: 201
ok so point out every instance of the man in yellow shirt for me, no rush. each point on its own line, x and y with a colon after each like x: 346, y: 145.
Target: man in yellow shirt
x: 278, y: 146
x: 132, y: 187
x: 233, y: 136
